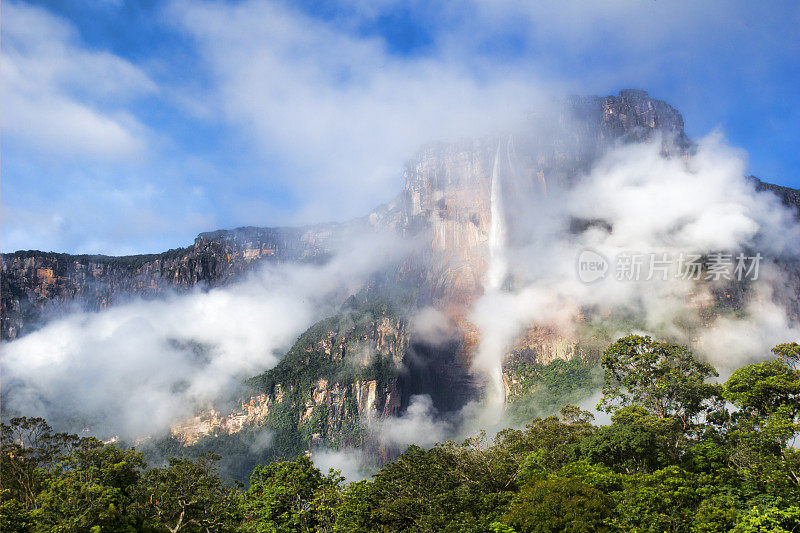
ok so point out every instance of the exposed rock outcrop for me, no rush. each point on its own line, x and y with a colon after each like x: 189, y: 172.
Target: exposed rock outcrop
x: 340, y: 372
x: 36, y: 285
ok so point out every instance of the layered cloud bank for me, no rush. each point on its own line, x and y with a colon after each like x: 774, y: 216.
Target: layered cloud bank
x: 135, y: 369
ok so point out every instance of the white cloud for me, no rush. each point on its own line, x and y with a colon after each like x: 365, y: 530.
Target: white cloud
x: 349, y: 461
x: 334, y: 104
x: 694, y: 204
x: 730, y: 341
x: 337, y: 113
x: 341, y: 110
x: 432, y: 326
x: 60, y: 96
x: 418, y: 425
x: 329, y: 109
x: 128, y: 370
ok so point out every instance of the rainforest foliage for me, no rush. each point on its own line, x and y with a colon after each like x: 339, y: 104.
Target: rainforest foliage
x: 680, y: 453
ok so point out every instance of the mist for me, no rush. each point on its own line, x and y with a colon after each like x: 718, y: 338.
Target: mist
x: 418, y: 425
x: 134, y: 369
x: 645, y: 202
x: 217, y: 114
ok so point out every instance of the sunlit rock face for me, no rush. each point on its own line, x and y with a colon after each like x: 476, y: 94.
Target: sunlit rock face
x: 452, y: 192
x: 449, y: 186
x: 448, y: 195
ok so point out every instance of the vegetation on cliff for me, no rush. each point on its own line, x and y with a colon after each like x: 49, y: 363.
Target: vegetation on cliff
x: 680, y: 454
x: 340, y: 353
x: 537, y: 389
x: 317, y: 394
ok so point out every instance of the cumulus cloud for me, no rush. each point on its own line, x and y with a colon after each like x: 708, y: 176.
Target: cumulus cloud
x: 62, y: 97
x: 81, y: 170
x: 338, y: 108
x: 341, y: 109
x: 278, y: 115
x: 332, y: 112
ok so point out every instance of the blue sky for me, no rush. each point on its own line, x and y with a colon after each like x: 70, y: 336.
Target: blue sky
x: 131, y: 126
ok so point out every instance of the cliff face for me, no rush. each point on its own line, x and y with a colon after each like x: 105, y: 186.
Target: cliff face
x: 37, y: 285
x: 446, y: 199
x: 446, y: 204
x: 340, y: 374
x: 448, y: 186
x: 789, y: 197
x: 364, y: 362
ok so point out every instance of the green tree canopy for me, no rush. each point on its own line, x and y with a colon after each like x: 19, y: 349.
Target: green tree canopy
x: 289, y: 496
x: 666, y: 379
x: 186, y: 496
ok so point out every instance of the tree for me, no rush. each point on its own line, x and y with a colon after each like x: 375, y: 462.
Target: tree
x: 451, y: 487
x: 769, y: 520
x: 663, y: 378
x: 573, y: 415
x: 13, y: 516
x: 559, y: 505
x: 547, y: 444
x: 290, y: 496
x: 767, y: 398
x: 410, y: 488
x: 790, y: 353
x: 30, y: 451
x: 354, y: 515
x: 635, y: 441
x: 664, y: 500
x: 186, y: 496
x: 92, y: 486
x: 760, y: 389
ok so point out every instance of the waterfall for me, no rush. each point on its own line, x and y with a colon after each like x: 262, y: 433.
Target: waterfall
x: 498, y: 265
x: 493, y: 343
